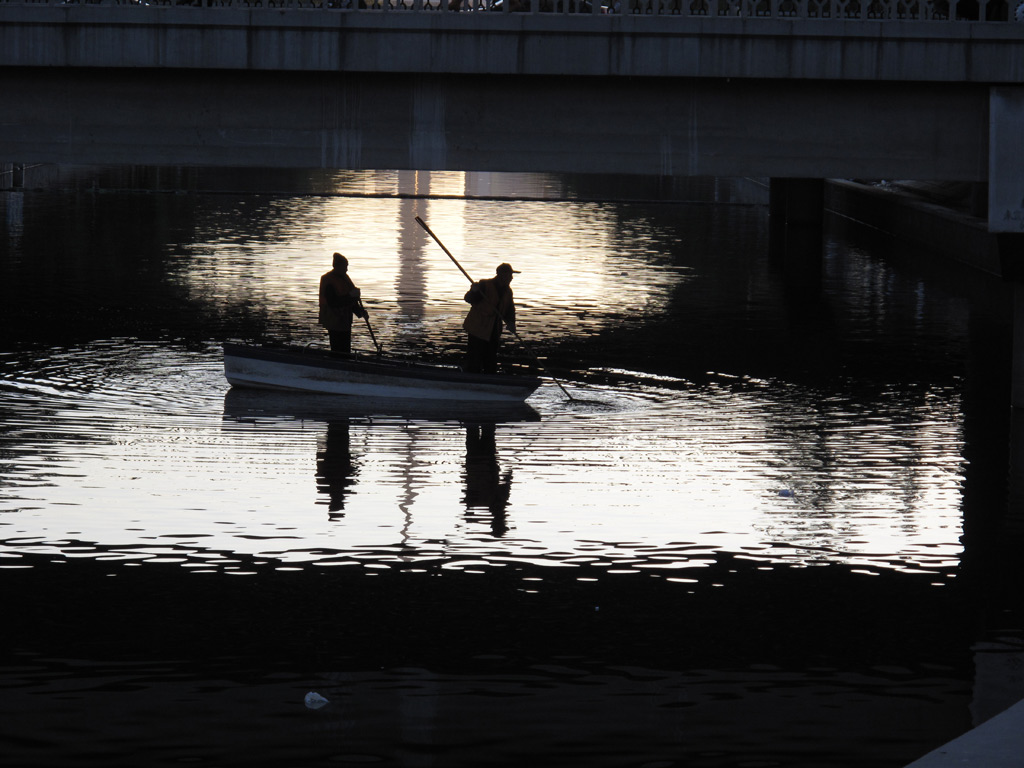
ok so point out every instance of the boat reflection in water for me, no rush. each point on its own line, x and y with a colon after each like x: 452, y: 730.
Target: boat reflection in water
x: 337, y: 467
x: 242, y: 404
x: 487, y: 487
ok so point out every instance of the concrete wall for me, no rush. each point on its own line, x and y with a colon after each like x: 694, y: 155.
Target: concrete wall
x: 934, y: 228
x: 1006, y: 161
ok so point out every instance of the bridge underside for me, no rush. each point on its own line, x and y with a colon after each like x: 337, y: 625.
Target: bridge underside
x: 655, y: 126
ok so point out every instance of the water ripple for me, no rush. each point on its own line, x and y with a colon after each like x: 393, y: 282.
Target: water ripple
x: 117, y: 444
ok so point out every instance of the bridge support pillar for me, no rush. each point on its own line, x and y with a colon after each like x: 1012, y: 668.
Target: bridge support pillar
x: 1006, y: 159
x: 1011, y: 251
x: 1015, y: 491
x: 1006, y: 209
x: 796, y: 216
x: 1006, y: 220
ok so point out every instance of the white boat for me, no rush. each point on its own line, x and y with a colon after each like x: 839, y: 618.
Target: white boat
x: 307, y: 369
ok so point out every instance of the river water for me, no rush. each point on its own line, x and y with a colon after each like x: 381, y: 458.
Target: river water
x: 756, y: 518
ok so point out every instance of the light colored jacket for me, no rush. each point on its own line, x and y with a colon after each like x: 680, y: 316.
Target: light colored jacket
x: 491, y: 310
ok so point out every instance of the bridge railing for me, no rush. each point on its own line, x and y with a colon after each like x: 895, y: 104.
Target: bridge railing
x: 874, y: 10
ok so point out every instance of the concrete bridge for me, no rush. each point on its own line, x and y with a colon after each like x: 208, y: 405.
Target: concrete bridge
x: 798, y: 89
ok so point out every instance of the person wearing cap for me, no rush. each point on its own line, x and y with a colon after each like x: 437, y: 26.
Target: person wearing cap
x: 339, y: 303
x: 492, y: 310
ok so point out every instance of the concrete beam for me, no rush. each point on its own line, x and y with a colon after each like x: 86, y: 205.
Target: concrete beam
x: 323, y: 40
x: 653, y: 126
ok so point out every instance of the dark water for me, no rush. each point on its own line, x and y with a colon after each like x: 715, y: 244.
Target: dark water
x: 770, y: 530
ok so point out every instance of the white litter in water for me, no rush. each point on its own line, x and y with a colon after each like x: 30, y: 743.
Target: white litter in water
x: 315, y: 700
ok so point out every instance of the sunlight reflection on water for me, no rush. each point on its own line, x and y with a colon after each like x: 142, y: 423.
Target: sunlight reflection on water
x: 119, y: 445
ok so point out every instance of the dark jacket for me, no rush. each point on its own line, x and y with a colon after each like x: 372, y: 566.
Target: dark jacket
x: 339, y: 301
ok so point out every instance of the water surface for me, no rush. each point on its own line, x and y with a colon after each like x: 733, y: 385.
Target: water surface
x: 750, y: 536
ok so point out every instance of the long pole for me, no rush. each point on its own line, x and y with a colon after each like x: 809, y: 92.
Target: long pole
x: 437, y: 240
x: 519, y: 338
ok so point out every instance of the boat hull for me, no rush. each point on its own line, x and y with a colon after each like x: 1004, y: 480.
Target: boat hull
x: 301, y: 369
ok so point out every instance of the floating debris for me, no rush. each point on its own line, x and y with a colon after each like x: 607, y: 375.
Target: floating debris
x: 315, y: 700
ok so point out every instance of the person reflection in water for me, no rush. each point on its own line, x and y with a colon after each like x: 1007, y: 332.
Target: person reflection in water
x: 335, y: 468
x: 492, y: 309
x: 339, y: 303
x: 486, y: 487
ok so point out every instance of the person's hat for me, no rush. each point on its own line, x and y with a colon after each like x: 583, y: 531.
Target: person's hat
x: 506, y: 268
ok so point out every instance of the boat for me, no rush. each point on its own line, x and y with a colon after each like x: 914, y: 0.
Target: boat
x: 311, y: 369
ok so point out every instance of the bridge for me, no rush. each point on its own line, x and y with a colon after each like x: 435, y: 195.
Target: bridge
x: 785, y: 89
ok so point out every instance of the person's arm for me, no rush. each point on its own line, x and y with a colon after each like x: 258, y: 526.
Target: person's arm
x: 343, y: 296
x: 352, y: 300
x: 325, y: 293
x: 357, y: 304
x: 475, y: 294
x: 510, y: 316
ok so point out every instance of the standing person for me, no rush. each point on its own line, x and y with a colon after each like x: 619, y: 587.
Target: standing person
x: 339, y: 303
x: 492, y: 309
